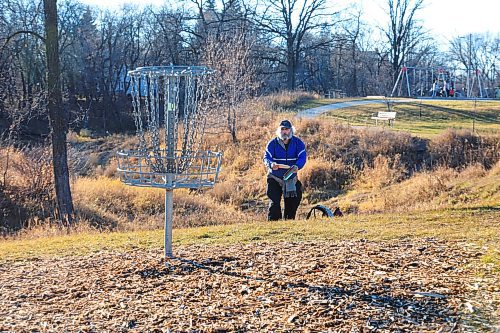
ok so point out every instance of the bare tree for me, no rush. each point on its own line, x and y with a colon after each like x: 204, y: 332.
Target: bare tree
x: 403, y: 31
x: 290, y: 21
x: 169, y: 45
x: 353, y: 31
x: 479, y: 55
x: 234, y: 80
x: 57, y: 117
x: 316, y: 70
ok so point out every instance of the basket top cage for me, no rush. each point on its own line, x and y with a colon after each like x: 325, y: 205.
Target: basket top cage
x: 169, y: 114
x: 171, y: 71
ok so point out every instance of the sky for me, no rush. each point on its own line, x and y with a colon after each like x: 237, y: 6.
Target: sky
x: 444, y: 18
x: 447, y: 18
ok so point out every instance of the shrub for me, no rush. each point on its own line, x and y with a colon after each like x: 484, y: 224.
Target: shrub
x: 385, y: 171
x: 460, y: 148
x: 325, y: 175
x: 26, y: 187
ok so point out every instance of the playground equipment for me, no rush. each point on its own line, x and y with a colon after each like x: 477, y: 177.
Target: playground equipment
x: 433, y: 82
x: 169, y: 115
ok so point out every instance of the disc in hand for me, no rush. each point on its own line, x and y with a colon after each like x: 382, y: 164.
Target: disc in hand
x: 290, y: 172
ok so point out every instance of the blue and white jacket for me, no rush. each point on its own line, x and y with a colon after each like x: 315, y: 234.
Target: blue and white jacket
x: 294, y: 155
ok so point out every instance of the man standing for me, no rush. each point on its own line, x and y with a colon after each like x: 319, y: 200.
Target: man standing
x: 284, y: 153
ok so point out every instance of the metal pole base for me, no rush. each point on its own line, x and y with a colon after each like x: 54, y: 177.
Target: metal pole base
x: 169, y: 207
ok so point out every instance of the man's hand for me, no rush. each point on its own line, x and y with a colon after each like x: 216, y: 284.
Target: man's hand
x: 274, y: 166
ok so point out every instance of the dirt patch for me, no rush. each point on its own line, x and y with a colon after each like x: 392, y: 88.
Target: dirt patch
x: 351, y: 286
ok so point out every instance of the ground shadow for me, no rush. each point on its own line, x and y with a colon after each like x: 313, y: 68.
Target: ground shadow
x: 378, y: 302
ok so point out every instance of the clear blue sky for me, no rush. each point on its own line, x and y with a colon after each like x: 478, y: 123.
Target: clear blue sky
x: 444, y: 18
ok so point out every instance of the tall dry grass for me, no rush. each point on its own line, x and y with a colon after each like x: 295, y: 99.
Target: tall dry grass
x: 442, y: 188
x: 459, y: 148
x: 286, y: 101
x: 384, y: 172
x: 121, y: 207
x: 26, y: 187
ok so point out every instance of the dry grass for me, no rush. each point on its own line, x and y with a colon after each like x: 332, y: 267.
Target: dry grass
x: 132, y: 208
x: 449, y: 225
x: 443, y: 188
x: 385, y: 171
x: 287, y: 100
x: 458, y: 148
x: 321, y: 174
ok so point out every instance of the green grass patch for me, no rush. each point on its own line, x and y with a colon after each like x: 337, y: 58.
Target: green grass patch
x: 477, y: 225
x: 428, y: 118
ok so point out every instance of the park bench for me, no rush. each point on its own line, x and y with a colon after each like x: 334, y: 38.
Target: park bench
x: 385, y: 116
x: 335, y: 93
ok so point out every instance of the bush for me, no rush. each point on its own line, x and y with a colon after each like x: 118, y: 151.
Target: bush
x: 319, y: 174
x: 385, y: 171
x: 460, y: 148
x: 26, y: 187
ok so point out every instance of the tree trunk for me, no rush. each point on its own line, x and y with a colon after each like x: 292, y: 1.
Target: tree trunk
x: 232, y: 124
x: 291, y: 75
x: 395, y: 66
x: 291, y: 65
x: 354, y: 79
x: 57, y: 118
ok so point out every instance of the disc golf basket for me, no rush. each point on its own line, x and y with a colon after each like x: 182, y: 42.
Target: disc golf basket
x: 169, y: 117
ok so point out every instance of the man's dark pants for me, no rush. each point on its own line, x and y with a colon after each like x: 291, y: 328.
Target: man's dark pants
x: 275, y: 192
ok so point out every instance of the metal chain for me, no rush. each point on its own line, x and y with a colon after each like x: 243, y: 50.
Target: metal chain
x: 200, y: 114
x: 188, y: 110
x: 155, y: 123
x: 169, y: 160
x: 136, y: 112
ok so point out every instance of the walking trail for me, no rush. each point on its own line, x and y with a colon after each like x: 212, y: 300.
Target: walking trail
x: 315, y: 112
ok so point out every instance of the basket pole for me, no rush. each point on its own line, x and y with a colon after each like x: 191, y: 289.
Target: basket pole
x: 169, y: 208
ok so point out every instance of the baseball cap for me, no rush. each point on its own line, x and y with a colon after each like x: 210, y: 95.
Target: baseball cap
x: 286, y: 123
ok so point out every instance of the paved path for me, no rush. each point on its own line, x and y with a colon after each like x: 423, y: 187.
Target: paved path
x: 315, y: 112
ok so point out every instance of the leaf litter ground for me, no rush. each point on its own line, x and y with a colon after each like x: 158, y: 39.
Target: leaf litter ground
x: 350, y: 286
